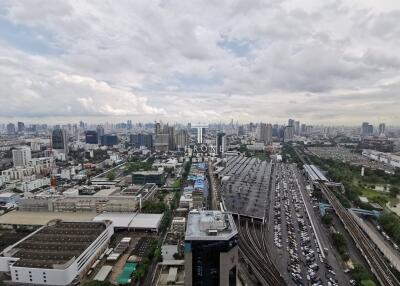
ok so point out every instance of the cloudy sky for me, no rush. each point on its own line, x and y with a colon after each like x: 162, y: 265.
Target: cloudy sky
x: 330, y: 62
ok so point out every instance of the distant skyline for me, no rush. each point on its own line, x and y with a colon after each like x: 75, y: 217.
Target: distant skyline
x: 324, y: 62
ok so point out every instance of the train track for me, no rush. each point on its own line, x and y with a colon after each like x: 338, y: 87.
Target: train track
x: 379, y: 266
x: 253, y: 249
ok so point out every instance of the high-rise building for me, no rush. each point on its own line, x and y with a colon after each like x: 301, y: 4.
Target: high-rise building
x: 288, y: 134
x: 129, y: 125
x: 171, y: 138
x: 211, y: 249
x: 161, y: 142
x: 109, y: 140
x: 382, y: 129
x: 291, y: 122
x: 140, y: 139
x: 221, y: 143
x: 91, y: 137
x: 265, y: 133
x: 297, y: 127
x: 10, y: 128
x: 100, y: 133
x: 21, y: 127
x: 59, y: 141
x: 181, y: 139
x: 157, y: 128
x: 367, y: 129
x: 21, y: 156
x: 302, y: 129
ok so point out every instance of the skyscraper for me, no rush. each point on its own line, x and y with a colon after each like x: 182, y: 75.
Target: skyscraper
x: 21, y: 156
x: 181, y: 139
x: 100, y: 133
x: 211, y: 249
x: 265, y: 133
x: 59, y: 141
x: 21, y: 127
x: 140, y: 139
x: 91, y: 137
x: 10, y: 128
x: 288, y: 134
x: 297, y: 127
x: 367, y: 129
x: 221, y: 143
x: 382, y: 129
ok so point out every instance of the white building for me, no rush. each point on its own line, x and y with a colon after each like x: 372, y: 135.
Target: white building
x: 21, y: 156
x: 387, y: 158
x: 35, y: 259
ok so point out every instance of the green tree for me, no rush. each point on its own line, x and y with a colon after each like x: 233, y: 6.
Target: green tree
x: 327, y: 219
x: 394, y: 192
x: 368, y: 283
x: 111, y: 176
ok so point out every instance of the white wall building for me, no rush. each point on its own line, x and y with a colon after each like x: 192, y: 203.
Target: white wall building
x: 31, y: 261
x: 21, y: 156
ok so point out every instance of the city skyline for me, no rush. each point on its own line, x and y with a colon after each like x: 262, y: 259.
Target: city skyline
x: 330, y: 63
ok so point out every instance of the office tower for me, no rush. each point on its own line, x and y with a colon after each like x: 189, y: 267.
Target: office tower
x: 309, y: 129
x: 21, y: 127
x: 157, y: 128
x: 181, y: 139
x: 129, y: 125
x: 21, y: 156
x: 221, y: 143
x: 265, y: 133
x: 241, y: 130
x: 171, y: 138
x: 109, y: 140
x: 291, y: 122
x: 302, y: 129
x: 59, y: 141
x: 297, y: 127
x: 81, y: 125
x: 140, y: 139
x: 288, y: 134
x: 10, y: 128
x: 100, y: 133
x: 91, y: 137
x: 382, y: 129
x: 211, y: 249
x: 367, y: 129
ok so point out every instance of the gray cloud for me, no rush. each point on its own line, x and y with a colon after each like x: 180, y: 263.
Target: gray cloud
x: 204, y: 60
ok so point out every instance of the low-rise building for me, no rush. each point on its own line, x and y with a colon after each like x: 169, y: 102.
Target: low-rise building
x: 59, y: 253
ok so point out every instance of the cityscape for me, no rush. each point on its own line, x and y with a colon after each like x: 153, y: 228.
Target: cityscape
x: 199, y: 143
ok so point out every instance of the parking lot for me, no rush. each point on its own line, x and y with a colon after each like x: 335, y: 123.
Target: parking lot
x: 292, y: 234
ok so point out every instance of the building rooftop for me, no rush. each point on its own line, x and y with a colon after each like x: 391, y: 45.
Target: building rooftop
x: 55, y: 245
x: 41, y: 218
x: 210, y: 225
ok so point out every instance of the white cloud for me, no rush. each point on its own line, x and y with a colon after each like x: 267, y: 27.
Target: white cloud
x: 164, y: 59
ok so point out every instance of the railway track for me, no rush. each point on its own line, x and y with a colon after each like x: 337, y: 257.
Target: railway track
x: 254, y: 251
x: 379, y: 266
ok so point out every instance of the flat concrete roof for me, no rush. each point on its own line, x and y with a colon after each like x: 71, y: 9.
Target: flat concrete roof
x: 146, y: 221
x: 120, y: 220
x: 131, y: 220
x: 42, y: 218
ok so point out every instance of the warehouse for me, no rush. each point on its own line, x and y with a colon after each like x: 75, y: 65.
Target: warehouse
x: 58, y: 253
